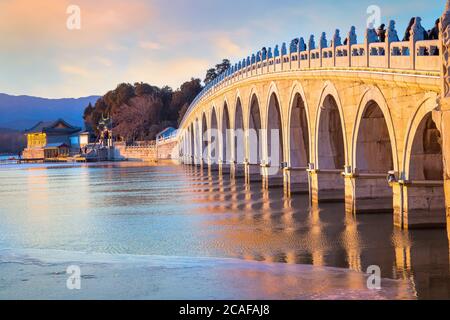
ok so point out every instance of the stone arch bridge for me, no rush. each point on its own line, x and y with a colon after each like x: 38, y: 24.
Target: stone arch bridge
x: 368, y: 124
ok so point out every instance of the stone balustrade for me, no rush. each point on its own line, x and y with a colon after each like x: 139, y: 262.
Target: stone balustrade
x: 417, y: 56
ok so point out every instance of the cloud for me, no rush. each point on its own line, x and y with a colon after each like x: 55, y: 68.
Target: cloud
x: 115, y: 47
x: 159, y: 41
x: 150, y: 45
x: 74, y: 70
x: 172, y: 72
x: 43, y: 23
x: 227, y: 47
x: 104, y: 61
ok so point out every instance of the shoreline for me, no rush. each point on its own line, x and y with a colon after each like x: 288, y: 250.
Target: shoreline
x: 42, y: 275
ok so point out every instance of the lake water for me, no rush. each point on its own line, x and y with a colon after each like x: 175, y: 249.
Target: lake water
x: 4, y: 157
x: 175, y: 232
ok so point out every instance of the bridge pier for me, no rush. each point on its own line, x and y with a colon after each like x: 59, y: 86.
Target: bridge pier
x: 447, y: 201
x: 442, y: 118
x: 237, y: 171
x: 419, y: 204
x: 189, y: 160
x: 445, y: 134
x: 225, y: 168
x: 214, y: 167
x: 272, y: 177
x: 199, y: 162
x: 252, y: 173
x: 326, y: 186
x: 367, y: 193
x: 296, y: 181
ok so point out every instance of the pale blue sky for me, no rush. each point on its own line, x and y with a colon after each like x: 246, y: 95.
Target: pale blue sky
x: 163, y: 42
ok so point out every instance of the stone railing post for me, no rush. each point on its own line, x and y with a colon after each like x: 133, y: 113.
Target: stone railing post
x: 417, y: 33
x: 301, y: 48
x: 283, y: 54
x: 298, y: 54
x: 351, y: 40
x: 336, y: 43
x: 370, y: 37
x: 391, y: 36
x: 265, y: 60
x: 247, y: 66
x: 444, y: 43
x: 322, y: 45
x: 253, y: 65
x: 311, y: 46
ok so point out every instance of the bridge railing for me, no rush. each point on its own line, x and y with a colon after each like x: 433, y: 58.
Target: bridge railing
x: 400, y: 55
x: 425, y: 50
x: 342, y: 56
x: 414, y: 55
x: 379, y: 55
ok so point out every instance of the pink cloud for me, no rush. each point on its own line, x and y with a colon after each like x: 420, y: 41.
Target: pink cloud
x: 43, y: 22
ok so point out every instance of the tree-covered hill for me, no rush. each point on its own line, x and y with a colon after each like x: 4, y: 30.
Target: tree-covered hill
x: 141, y: 111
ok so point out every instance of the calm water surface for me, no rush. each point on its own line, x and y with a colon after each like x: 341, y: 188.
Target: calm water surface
x: 131, y: 209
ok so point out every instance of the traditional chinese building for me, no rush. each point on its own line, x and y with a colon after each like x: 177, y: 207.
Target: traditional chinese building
x: 51, y: 140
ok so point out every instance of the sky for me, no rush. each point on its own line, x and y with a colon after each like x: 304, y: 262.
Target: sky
x: 163, y: 42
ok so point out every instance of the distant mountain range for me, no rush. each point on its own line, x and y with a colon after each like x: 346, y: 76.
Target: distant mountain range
x: 22, y: 112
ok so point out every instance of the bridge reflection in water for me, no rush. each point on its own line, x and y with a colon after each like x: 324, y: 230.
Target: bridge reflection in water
x: 133, y: 209
x: 259, y: 224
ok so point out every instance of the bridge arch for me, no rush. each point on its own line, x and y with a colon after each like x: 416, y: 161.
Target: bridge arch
x: 203, y: 150
x: 274, y: 121
x: 183, y: 151
x: 213, y: 136
x: 239, y: 141
x: 225, y: 136
x: 191, y: 140
x: 418, y: 124
x: 254, y: 126
x: 423, y: 186
x: 374, y: 144
x: 198, y: 140
x: 299, y: 128
x: 330, y: 142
